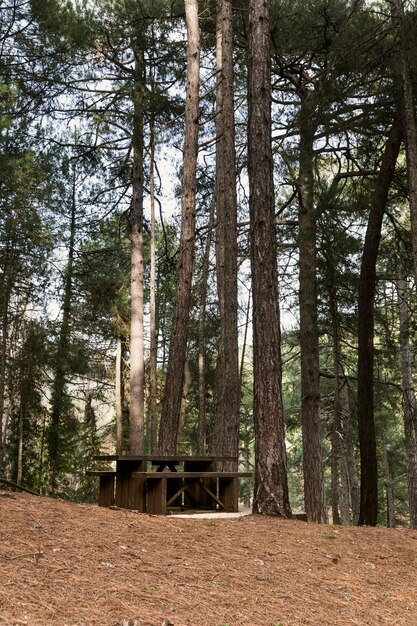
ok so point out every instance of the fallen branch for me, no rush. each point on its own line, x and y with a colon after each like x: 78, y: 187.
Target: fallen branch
x: 36, y: 555
x: 16, y: 486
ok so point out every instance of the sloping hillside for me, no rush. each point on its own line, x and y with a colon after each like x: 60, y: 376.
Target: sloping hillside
x: 64, y: 564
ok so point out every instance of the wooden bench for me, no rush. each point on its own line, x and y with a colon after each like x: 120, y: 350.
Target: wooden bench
x: 201, y: 489
x: 106, y: 486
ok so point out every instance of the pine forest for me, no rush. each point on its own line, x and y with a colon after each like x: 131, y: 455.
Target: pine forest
x: 208, y: 245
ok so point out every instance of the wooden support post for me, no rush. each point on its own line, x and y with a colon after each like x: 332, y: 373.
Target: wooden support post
x: 157, y: 495
x: 130, y: 490
x: 228, y: 493
x: 106, y: 490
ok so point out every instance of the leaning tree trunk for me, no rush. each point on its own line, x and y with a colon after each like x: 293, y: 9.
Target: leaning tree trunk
x: 171, y: 406
x: 271, y: 488
x: 409, y: 398
x: 366, y: 301
x: 314, y: 493
x: 137, y: 361
x: 225, y: 436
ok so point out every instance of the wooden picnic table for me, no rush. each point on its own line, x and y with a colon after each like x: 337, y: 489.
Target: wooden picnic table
x: 156, y: 483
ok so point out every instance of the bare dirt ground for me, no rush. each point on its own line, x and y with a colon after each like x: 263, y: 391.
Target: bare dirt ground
x: 66, y: 564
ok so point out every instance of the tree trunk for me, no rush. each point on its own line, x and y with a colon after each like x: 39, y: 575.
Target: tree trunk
x: 348, y: 470
x: 314, y: 493
x: 61, y: 357
x: 410, y: 126
x: 343, y: 468
x: 185, y: 391
x: 409, y: 398
x: 118, y: 397
x: 6, y: 290
x: 247, y: 434
x: 137, y: 362
x: 3, y: 369
x: 202, y: 429
x: 153, y: 351
x: 388, y: 480
x: 335, y: 465
x: 411, y: 146
x: 171, y: 407
x: 351, y: 470
x: 27, y: 359
x: 339, y: 502
x: 271, y: 488
x: 20, y: 447
x: 225, y: 439
x: 245, y: 339
x: 366, y: 301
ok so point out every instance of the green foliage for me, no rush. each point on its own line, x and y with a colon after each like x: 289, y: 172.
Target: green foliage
x: 81, y: 487
x: 61, y: 21
x: 103, y: 277
x: 28, y: 413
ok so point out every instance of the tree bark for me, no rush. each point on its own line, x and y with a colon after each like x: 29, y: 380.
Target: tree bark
x: 271, y: 488
x: 410, y: 126
x: 366, y: 301
x: 314, y: 492
x: 225, y: 440
x: 338, y: 501
x: 8, y: 278
x: 118, y: 397
x: 409, y: 397
x: 335, y: 461
x: 3, y: 369
x: 137, y: 361
x: 153, y: 351
x: 20, y: 444
x: 349, y: 472
x: 343, y: 469
x: 185, y: 391
x: 202, y: 427
x: 171, y: 407
x: 388, y: 481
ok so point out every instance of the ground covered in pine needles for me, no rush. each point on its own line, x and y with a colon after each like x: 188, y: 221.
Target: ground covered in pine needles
x: 66, y: 564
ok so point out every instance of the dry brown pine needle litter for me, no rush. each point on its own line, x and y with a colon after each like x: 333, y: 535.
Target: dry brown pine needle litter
x: 66, y: 564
